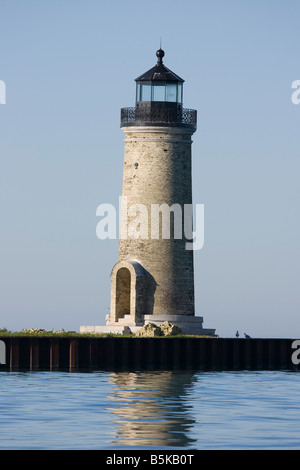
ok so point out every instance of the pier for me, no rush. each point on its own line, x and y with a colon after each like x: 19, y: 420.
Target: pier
x: 28, y: 353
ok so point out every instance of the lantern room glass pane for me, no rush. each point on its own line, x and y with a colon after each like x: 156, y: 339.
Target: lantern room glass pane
x: 171, y: 92
x: 138, y: 92
x: 146, y: 93
x: 179, y: 97
x: 159, y: 93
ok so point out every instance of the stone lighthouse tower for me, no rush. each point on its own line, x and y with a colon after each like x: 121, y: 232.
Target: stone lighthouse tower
x: 153, y: 280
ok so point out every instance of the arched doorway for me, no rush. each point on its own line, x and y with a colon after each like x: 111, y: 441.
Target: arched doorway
x: 132, y: 294
x: 123, y: 293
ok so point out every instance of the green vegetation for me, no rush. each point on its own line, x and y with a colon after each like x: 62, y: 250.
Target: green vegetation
x: 38, y: 332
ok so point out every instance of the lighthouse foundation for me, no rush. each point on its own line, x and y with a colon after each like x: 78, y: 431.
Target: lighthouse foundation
x: 189, y: 325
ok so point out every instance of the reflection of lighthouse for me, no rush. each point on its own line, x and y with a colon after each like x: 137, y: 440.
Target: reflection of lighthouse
x: 150, y: 409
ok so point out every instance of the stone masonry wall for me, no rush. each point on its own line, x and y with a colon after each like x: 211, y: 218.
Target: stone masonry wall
x: 157, y: 170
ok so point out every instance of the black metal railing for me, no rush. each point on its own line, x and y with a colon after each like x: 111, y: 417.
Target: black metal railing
x: 159, y: 116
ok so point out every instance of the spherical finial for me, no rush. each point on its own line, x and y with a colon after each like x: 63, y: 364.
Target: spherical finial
x: 160, y: 54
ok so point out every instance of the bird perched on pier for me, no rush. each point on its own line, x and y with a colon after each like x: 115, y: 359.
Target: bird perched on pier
x: 237, y: 334
x: 247, y: 336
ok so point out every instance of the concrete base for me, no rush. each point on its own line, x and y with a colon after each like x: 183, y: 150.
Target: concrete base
x: 122, y: 330
x: 189, y: 325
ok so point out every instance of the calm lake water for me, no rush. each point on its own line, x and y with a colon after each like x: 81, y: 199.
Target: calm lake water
x: 150, y: 410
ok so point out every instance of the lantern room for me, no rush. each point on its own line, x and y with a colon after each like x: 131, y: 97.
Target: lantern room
x: 159, y: 84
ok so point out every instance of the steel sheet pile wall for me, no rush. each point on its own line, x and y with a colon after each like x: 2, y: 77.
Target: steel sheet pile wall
x: 109, y: 353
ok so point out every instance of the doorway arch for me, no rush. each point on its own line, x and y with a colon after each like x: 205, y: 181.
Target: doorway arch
x: 123, y: 291
x: 130, y: 289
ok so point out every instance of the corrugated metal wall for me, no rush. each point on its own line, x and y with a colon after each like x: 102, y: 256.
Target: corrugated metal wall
x: 32, y: 353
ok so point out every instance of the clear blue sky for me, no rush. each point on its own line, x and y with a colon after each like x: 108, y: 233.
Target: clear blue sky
x: 69, y: 66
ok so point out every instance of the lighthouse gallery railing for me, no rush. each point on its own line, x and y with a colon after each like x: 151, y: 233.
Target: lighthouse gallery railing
x: 165, y: 116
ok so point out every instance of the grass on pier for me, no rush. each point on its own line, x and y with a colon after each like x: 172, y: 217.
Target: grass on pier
x: 37, y: 332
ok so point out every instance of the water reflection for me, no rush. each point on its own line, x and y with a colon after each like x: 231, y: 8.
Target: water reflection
x: 152, y: 408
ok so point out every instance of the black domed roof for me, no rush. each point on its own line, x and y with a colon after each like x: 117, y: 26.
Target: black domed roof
x: 159, y: 72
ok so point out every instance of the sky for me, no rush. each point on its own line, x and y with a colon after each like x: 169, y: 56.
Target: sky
x: 68, y: 67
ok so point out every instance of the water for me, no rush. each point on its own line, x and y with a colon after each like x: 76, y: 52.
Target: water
x: 150, y: 410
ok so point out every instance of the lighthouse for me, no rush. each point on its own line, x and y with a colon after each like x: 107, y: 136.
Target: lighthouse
x: 153, y: 278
